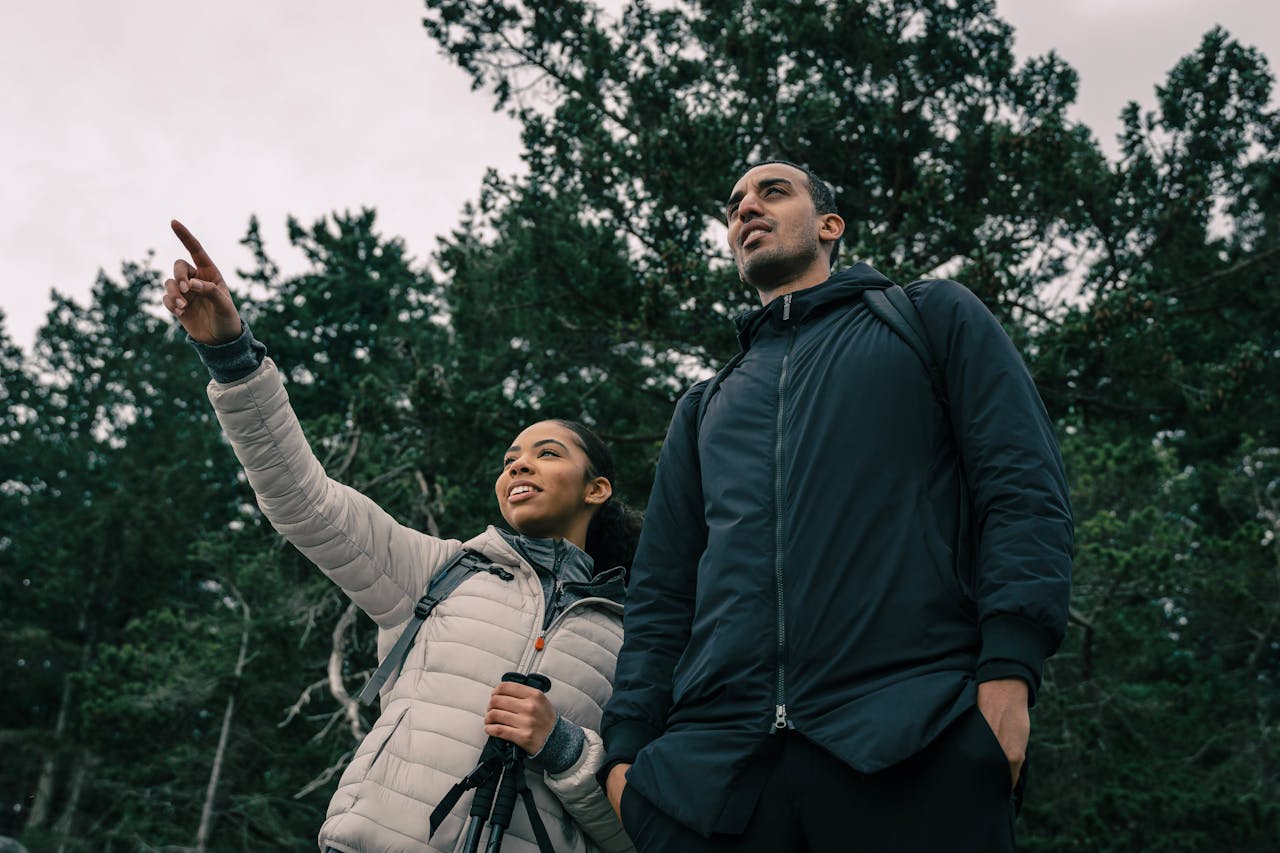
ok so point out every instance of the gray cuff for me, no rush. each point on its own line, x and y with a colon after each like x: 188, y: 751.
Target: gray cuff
x: 562, y: 748
x: 234, y: 359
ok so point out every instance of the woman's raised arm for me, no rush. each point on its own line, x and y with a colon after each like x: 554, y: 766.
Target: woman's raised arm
x: 382, y: 565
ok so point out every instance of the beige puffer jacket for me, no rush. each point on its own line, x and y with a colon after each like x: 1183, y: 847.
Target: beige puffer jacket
x: 430, y: 732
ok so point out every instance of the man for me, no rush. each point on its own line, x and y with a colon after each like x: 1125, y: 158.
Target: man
x: 845, y: 589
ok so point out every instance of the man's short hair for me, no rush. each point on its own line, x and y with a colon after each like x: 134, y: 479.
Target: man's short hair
x: 824, y: 198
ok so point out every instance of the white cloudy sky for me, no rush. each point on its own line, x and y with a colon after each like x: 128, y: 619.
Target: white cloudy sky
x: 120, y: 114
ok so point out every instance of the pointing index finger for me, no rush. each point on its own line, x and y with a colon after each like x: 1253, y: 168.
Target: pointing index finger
x: 198, y: 254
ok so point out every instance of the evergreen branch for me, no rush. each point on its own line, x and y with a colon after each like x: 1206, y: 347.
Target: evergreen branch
x: 642, y: 438
x: 1230, y: 271
x: 569, y: 83
x: 1005, y: 299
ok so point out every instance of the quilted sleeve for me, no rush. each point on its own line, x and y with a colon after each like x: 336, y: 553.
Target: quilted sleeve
x: 381, y: 564
x: 584, y: 799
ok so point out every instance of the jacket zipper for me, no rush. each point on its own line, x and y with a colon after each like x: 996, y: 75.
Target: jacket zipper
x: 780, y: 721
x: 541, y: 642
x: 551, y: 617
x: 557, y: 587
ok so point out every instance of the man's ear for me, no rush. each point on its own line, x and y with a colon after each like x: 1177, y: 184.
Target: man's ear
x: 598, y: 491
x: 830, y: 227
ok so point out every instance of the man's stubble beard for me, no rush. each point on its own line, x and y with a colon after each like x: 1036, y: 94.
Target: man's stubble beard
x: 766, y: 270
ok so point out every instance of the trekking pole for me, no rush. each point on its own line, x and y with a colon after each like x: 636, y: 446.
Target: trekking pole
x: 481, y: 805
x: 504, y: 803
x: 484, y: 779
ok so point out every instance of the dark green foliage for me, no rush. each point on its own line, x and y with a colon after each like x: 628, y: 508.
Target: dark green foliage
x: 595, y: 286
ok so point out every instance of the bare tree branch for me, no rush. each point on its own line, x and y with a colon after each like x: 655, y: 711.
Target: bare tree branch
x: 337, y: 657
x: 305, y: 698
x: 328, y: 773
x: 428, y: 501
x: 349, y: 458
x: 382, y: 478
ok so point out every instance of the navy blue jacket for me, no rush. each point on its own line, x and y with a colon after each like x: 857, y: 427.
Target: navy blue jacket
x: 812, y: 559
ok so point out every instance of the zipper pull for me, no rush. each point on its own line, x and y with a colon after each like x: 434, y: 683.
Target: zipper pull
x: 786, y: 310
x: 780, y: 721
x: 540, y: 643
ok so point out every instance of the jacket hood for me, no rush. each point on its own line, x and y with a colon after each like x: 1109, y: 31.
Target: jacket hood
x: 841, y: 288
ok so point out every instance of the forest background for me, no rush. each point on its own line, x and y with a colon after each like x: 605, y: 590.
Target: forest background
x: 176, y: 678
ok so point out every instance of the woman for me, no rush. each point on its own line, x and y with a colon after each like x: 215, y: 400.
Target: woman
x: 545, y: 606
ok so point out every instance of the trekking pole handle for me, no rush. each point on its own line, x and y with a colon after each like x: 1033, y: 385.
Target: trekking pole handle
x: 531, y: 679
x: 505, y: 801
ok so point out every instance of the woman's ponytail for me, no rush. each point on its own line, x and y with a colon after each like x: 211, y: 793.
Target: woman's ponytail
x: 612, y: 536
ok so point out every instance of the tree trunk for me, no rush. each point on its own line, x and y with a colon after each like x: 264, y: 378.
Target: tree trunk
x: 42, y: 802
x: 43, y: 797
x: 206, y: 813
x: 66, y: 820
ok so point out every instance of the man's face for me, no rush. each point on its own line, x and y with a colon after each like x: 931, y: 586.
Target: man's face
x: 773, y: 226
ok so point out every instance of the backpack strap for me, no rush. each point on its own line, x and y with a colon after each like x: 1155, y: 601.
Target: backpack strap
x: 449, y: 578
x: 714, y: 384
x: 895, y: 309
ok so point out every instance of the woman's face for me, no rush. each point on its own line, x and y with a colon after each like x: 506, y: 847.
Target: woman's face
x: 544, y: 489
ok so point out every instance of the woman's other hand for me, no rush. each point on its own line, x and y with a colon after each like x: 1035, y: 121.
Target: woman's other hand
x: 520, y: 714
x: 197, y: 295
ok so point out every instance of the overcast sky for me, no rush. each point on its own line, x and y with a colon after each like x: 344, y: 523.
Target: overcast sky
x: 118, y: 116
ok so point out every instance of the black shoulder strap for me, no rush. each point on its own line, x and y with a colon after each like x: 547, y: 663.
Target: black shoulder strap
x: 713, y: 385
x: 895, y: 309
x: 449, y: 578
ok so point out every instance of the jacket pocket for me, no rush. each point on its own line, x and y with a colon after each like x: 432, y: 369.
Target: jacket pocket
x: 395, y: 727
x: 985, y: 739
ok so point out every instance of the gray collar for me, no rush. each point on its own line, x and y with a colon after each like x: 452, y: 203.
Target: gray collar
x: 558, y: 558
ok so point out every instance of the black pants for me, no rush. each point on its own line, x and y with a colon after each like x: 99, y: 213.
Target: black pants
x: 952, y: 796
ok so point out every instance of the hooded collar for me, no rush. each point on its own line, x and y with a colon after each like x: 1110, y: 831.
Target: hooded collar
x: 576, y: 571
x: 559, y: 558
x: 841, y: 288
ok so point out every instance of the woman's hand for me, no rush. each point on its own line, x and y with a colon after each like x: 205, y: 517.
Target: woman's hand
x: 198, y: 296
x: 520, y: 714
